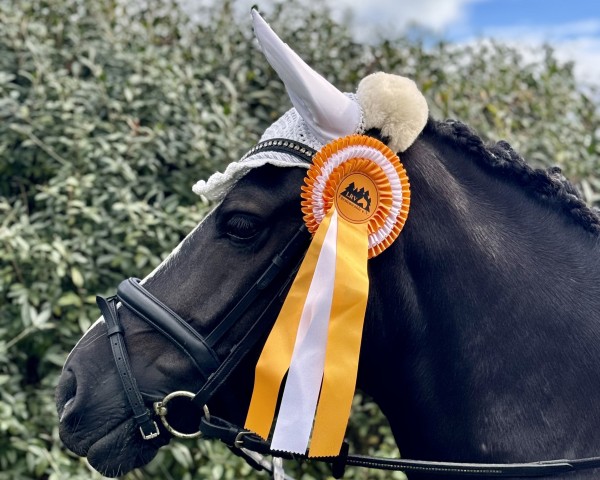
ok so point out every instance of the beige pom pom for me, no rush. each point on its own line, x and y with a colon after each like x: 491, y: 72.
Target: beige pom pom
x: 394, y: 105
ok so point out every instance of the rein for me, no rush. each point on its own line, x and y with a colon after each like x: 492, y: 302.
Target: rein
x: 237, y: 438
x: 214, y: 372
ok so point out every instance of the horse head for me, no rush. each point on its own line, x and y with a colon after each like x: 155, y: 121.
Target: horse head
x: 463, y: 312
x: 204, y: 278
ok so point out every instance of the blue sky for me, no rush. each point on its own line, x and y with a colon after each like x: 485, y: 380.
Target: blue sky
x: 495, y: 13
x: 473, y: 17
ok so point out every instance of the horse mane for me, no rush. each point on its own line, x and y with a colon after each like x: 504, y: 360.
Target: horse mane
x: 548, y: 185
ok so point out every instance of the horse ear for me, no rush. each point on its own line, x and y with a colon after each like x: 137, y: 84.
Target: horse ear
x: 328, y: 112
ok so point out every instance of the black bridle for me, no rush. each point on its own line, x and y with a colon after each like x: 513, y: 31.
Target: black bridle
x: 214, y: 372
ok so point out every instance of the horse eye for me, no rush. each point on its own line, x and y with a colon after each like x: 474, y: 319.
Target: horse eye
x: 242, y: 227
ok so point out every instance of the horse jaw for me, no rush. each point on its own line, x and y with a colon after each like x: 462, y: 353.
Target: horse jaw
x: 328, y: 112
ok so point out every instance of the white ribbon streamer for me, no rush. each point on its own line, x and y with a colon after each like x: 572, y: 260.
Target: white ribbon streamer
x: 303, y: 384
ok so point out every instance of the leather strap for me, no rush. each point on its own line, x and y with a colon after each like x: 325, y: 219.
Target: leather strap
x: 142, y: 416
x: 171, y: 325
x: 256, y: 331
x: 235, y: 437
x: 480, y: 470
x: 296, y: 244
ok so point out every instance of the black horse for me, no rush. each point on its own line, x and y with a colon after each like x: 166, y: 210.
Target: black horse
x: 482, y: 335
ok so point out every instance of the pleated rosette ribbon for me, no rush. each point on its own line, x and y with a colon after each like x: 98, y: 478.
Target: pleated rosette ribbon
x: 355, y: 201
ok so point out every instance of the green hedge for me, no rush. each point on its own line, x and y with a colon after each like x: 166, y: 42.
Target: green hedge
x: 109, y: 113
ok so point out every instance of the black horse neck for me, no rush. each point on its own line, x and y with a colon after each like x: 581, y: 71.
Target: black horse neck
x: 488, y: 347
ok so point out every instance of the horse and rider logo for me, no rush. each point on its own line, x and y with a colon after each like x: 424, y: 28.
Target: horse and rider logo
x: 357, y: 198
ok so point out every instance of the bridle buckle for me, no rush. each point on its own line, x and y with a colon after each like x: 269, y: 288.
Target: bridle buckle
x: 152, y: 435
x: 239, y: 439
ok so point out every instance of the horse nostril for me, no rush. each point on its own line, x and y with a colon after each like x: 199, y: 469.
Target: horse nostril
x: 65, y: 393
x: 64, y: 409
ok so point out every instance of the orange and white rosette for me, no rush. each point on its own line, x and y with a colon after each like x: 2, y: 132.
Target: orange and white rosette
x: 355, y: 201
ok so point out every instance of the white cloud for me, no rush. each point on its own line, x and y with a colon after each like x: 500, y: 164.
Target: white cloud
x: 585, y: 52
x: 373, y: 15
x: 577, y: 42
x: 433, y: 14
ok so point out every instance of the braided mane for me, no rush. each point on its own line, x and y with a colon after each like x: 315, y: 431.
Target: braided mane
x: 548, y: 185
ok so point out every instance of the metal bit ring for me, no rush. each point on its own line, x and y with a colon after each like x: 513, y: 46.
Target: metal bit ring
x: 160, y: 408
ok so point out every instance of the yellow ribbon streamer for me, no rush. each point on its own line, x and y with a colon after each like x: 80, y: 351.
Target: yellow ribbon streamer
x: 277, y: 352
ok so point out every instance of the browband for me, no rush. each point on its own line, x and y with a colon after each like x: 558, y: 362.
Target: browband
x: 283, y: 145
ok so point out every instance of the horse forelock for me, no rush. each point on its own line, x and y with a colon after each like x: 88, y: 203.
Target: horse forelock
x: 547, y: 185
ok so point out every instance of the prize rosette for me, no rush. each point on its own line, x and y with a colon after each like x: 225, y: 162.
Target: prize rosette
x: 355, y: 202
x: 366, y: 182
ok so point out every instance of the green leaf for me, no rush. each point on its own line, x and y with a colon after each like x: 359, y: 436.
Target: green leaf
x: 69, y: 299
x: 77, y: 277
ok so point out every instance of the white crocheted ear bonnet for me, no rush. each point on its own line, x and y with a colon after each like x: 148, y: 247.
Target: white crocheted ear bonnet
x: 322, y: 113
